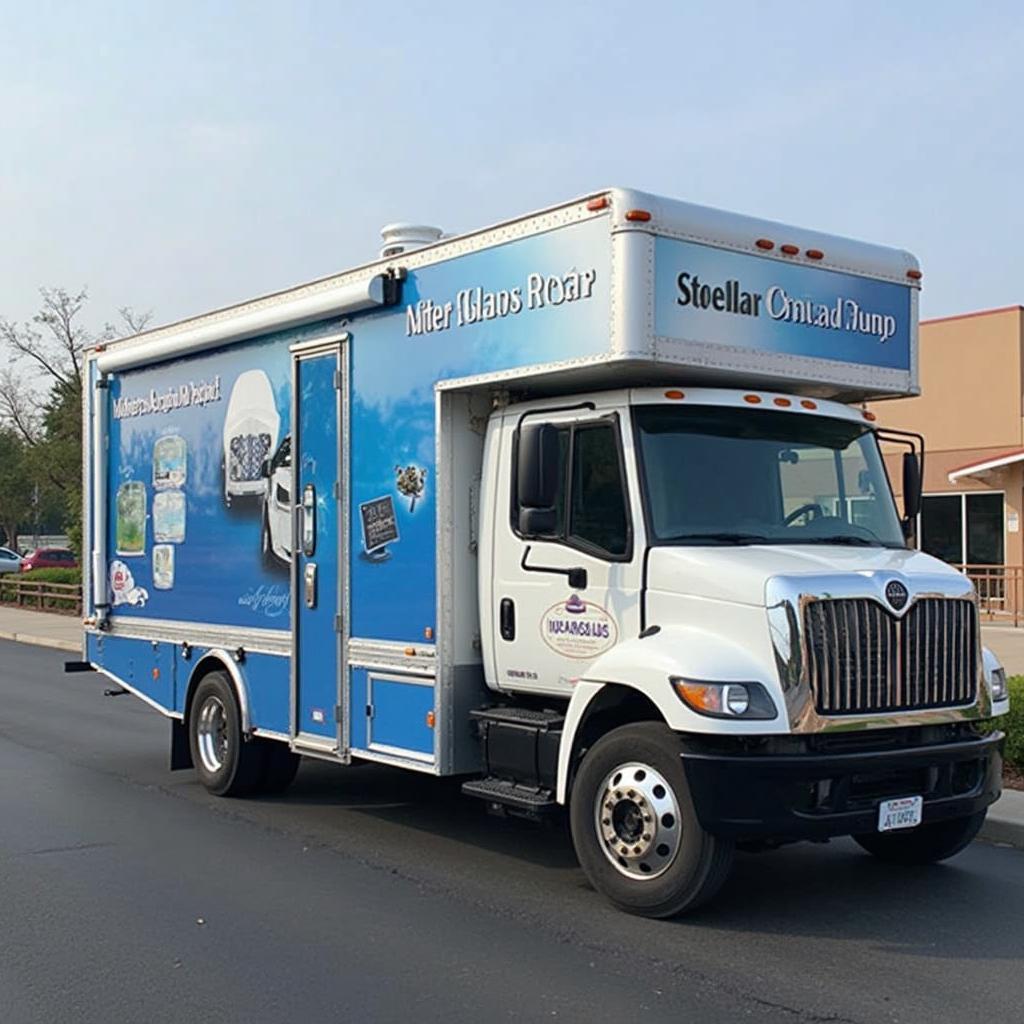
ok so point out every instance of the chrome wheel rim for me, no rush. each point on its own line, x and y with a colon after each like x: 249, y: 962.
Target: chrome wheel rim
x: 212, y: 734
x: 636, y: 815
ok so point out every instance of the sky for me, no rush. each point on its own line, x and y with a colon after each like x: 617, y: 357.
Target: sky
x: 178, y: 157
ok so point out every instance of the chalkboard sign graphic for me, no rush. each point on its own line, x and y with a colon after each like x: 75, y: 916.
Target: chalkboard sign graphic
x: 380, y: 527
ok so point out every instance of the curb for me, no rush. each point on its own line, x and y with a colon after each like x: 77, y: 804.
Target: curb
x: 42, y: 641
x: 1005, y: 822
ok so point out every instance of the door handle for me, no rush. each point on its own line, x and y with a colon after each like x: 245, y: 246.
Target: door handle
x: 507, y: 619
x: 309, y: 584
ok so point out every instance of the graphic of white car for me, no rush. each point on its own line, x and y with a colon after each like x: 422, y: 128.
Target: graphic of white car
x: 251, y: 426
x: 276, y: 533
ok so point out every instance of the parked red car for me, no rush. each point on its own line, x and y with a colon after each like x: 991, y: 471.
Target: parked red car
x: 49, y: 558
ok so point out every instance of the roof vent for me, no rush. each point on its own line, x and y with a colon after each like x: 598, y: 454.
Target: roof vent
x: 399, y: 238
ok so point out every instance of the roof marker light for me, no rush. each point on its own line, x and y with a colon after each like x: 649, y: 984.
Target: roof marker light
x: 638, y: 215
x: 808, y: 404
x: 783, y: 403
x: 914, y: 275
x: 675, y: 395
x: 599, y: 203
x: 765, y: 243
x: 752, y: 399
x: 790, y: 250
x: 869, y: 416
x: 814, y: 254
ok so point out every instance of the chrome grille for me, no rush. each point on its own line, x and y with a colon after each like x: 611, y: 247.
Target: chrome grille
x: 861, y: 659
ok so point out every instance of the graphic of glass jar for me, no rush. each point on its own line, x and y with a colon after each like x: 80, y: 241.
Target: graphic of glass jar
x: 131, y: 518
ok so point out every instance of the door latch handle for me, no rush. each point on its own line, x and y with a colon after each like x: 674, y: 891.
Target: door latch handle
x: 309, y: 584
x: 507, y: 619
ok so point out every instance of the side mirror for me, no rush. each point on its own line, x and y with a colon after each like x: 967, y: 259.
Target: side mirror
x: 537, y: 522
x: 911, y: 485
x: 537, y: 478
x: 265, y: 469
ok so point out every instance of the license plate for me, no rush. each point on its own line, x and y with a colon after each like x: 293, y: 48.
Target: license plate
x: 902, y: 813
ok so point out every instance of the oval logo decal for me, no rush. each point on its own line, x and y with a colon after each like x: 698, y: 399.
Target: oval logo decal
x: 896, y: 594
x: 578, y: 629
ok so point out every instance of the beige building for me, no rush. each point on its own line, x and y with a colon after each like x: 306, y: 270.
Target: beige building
x: 971, y: 413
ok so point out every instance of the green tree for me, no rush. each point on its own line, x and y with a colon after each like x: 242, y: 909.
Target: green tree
x: 41, y: 400
x: 16, y: 488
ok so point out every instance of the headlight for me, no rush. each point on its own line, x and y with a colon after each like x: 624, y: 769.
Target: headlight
x: 725, y: 700
x: 999, y: 687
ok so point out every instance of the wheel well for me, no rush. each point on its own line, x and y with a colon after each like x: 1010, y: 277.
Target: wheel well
x: 207, y: 664
x: 613, y: 706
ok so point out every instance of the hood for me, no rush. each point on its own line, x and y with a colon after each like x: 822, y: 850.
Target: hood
x: 739, y: 574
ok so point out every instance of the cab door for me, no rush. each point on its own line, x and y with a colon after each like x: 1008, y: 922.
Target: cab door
x: 317, y: 545
x: 566, y: 585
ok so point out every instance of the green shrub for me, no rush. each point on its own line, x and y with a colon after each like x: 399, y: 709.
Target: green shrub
x: 54, y: 575
x: 9, y: 589
x: 1013, y: 725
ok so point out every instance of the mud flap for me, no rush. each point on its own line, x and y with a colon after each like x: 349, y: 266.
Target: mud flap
x: 181, y: 754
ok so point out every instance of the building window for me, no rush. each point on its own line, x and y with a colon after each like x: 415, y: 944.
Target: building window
x: 963, y: 528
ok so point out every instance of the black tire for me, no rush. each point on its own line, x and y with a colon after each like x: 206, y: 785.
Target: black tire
x: 926, y: 844
x: 279, y: 766
x: 225, y: 763
x: 700, y: 863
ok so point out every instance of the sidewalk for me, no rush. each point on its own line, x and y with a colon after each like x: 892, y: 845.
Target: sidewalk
x: 42, y: 628
x: 1005, y: 823
x: 1007, y: 644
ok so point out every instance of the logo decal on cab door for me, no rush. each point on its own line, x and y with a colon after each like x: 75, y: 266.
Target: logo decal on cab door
x: 578, y: 629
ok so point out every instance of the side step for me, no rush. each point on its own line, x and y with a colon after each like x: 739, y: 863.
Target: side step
x: 520, y: 747
x: 504, y: 797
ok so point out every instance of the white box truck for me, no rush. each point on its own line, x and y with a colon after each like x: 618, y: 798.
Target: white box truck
x: 584, y: 508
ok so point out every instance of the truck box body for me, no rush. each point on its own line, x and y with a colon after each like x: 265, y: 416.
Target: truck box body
x: 310, y: 493
x: 565, y: 300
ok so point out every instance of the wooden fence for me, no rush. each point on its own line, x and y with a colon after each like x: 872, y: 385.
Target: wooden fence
x: 41, y: 595
x: 1000, y: 591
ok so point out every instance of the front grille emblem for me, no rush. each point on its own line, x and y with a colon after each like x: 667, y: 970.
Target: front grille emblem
x: 896, y: 594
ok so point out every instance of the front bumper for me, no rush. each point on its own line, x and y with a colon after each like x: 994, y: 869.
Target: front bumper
x: 805, y: 792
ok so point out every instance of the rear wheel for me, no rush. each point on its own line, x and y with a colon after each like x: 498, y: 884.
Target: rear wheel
x: 225, y: 763
x: 635, y: 829
x: 925, y: 844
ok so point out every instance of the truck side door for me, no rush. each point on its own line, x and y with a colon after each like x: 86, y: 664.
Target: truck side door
x: 565, y: 594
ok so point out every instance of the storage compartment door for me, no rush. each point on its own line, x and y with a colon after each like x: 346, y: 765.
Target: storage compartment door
x: 401, y: 718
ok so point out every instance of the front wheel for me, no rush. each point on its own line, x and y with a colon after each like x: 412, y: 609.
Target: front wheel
x: 926, y: 844
x: 635, y: 829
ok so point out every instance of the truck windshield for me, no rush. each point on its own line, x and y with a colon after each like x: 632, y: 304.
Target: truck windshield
x: 718, y: 475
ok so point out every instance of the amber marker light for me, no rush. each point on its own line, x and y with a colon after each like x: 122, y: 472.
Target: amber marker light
x: 638, y: 215
x: 752, y: 399
x: 700, y: 696
x: 431, y: 720
x: 675, y: 395
x: 814, y: 254
x: 782, y: 403
x: 790, y: 250
x: 410, y: 652
x: 765, y: 243
x: 914, y: 275
x: 600, y: 203
x: 808, y: 404
x: 869, y: 416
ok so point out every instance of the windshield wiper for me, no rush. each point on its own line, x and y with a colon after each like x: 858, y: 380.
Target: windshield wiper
x: 719, y: 538
x: 842, y: 538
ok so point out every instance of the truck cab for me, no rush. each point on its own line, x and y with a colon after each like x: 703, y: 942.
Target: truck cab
x: 724, y: 577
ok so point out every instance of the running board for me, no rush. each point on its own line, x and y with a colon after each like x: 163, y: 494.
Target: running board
x: 509, y: 798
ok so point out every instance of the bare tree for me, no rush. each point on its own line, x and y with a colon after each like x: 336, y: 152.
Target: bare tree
x: 55, y: 339
x: 135, y: 322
